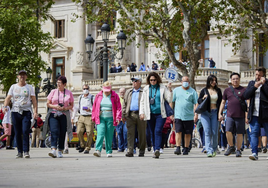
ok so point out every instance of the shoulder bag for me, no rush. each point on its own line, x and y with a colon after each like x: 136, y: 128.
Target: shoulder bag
x: 203, y: 106
x: 242, y: 103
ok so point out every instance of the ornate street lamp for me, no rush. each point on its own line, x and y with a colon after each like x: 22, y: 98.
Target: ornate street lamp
x: 48, y: 87
x: 49, y: 73
x: 89, y: 45
x: 105, y: 33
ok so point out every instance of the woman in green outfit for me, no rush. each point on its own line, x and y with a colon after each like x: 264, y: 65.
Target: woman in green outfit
x: 106, y: 113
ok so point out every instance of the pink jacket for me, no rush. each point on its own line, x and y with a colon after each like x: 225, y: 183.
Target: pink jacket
x: 116, y: 107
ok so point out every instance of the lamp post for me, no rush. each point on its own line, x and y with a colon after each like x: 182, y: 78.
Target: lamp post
x: 105, y: 32
x: 37, y: 87
x: 48, y: 87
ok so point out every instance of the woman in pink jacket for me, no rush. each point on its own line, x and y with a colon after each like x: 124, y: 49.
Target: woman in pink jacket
x: 106, y: 113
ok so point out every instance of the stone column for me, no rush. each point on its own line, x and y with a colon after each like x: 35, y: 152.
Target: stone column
x: 82, y: 69
x: 240, y: 61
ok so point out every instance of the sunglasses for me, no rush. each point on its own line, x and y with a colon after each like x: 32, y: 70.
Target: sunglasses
x: 153, y: 80
x: 85, y: 88
x: 135, y: 81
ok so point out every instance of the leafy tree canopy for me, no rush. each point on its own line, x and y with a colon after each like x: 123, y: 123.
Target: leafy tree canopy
x: 22, y: 39
x: 176, y: 25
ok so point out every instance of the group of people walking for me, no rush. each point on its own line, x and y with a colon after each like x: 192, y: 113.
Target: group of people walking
x: 136, y: 108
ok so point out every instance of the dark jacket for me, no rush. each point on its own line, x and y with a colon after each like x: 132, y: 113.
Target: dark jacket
x: 202, y: 93
x: 250, y: 94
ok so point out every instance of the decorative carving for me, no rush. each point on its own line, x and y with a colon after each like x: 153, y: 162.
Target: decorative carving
x: 80, y: 58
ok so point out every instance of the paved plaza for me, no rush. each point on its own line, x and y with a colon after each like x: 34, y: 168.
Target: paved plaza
x: 81, y: 170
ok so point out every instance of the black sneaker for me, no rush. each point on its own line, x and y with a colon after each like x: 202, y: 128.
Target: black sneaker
x: 156, y: 154
x: 238, y: 153
x: 186, y: 151
x: 129, y: 154
x: 149, y: 149
x: 86, y: 152
x: 19, y: 155
x: 177, y: 151
x: 141, y: 154
x: 78, y: 148
x: 264, y: 150
x: 259, y: 150
x: 11, y: 148
x: 229, y: 151
x: 81, y: 150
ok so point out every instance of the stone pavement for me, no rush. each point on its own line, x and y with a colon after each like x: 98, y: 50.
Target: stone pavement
x: 80, y: 170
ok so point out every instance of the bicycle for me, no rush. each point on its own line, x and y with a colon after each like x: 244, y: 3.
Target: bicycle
x: 196, y: 142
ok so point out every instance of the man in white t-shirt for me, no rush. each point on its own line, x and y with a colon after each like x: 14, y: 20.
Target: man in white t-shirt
x: 257, y: 92
x: 23, y: 97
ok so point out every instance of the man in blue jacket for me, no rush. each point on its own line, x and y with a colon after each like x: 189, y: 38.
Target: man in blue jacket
x: 142, y: 67
x: 257, y: 92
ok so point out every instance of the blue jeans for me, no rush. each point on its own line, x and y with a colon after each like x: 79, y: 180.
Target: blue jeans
x: 255, y: 133
x: 148, y: 136
x: 211, y: 127
x: 22, y: 126
x: 121, y: 130
x: 58, y: 128
x: 223, y: 138
x: 156, y: 124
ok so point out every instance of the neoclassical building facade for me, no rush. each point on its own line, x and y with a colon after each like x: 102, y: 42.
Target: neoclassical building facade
x: 69, y: 57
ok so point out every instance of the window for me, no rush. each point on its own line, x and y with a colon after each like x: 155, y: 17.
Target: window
x: 60, y: 28
x: 58, y: 67
x: 206, y: 52
x: 266, y: 6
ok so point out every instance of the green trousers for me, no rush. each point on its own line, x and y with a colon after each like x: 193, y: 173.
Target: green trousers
x: 105, y: 130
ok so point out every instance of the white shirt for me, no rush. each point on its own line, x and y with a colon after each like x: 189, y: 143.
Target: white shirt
x: 7, y: 117
x: 21, y: 97
x: 257, y: 102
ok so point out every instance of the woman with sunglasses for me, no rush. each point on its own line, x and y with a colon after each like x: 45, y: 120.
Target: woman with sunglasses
x: 152, y: 108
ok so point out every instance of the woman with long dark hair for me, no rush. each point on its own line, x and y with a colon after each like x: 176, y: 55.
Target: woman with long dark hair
x: 209, y: 118
x: 152, y: 108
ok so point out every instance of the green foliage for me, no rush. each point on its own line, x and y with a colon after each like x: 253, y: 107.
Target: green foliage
x: 181, y: 23
x: 22, y: 39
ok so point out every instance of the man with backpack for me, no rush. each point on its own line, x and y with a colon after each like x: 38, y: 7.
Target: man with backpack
x: 85, y: 103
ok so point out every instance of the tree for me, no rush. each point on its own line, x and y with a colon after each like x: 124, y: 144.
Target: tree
x: 172, y: 25
x: 250, y: 15
x: 22, y: 39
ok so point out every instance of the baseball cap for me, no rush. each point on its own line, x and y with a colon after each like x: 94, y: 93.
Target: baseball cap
x: 22, y: 71
x: 136, y: 78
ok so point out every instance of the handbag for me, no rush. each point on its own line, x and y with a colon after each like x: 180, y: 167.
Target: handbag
x: 203, y: 106
x: 169, y: 110
x: 242, y: 102
x: 172, y: 139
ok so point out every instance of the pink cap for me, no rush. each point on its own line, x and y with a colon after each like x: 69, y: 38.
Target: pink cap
x: 106, y: 89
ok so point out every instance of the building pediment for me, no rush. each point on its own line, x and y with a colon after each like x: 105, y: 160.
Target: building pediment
x: 58, y: 46
x: 60, y: 49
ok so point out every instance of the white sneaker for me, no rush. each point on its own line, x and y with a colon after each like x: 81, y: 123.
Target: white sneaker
x: 109, y: 155
x: 222, y: 149
x: 52, y: 153
x: 253, y: 157
x: 161, y: 151
x: 97, y: 153
x: 60, y: 154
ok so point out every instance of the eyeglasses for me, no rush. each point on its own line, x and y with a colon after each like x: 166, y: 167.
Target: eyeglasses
x: 85, y: 88
x: 153, y: 80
